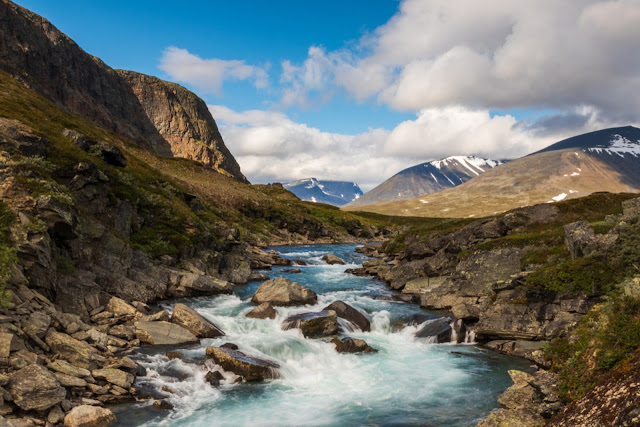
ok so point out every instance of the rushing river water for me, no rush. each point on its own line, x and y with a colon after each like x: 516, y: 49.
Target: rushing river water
x: 408, y: 382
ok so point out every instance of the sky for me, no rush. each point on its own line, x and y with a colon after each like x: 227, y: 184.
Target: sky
x: 358, y: 90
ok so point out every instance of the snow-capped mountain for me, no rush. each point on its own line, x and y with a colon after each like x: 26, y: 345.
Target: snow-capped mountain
x: 427, y: 178
x: 336, y: 193
x: 604, y: 160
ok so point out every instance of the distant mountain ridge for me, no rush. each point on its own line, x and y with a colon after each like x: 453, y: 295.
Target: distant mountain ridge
x: 426, y: 178
x: 335, y: 193
x: 604, y: 160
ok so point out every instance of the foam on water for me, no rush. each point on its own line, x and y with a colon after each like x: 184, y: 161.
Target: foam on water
x: 409, y: 381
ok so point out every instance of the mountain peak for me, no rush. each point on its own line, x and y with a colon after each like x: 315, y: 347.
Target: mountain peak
x: 603, y: 139
x: 335, y: 193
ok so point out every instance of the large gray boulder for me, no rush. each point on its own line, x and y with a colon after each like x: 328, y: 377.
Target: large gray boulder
x: 163, y: 333
x: 313, y: 325
x: 249, y: 367
x: 35, y: 388
x: 284, y: 292
x: 438, y: 329
x: 351, y: 314
x: 579, y: 238
x: 192, y: 321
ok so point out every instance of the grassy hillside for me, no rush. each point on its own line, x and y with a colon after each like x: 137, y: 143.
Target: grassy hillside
x: 183, y: 202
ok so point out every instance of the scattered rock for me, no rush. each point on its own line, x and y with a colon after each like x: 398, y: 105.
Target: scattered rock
x: 35, y: 388
x: 160, y: 316
x: 347, y: 312
x: 174, y: 355
x: 163, y: 333
x: 332, y: 259
x: 213, y: 378
x: 263, y: 311
x: 120, y: 307
x: 352, y: 345
x: 229, y: 345
x: 251, y: 368
x: 284, y: 292
x: 89, y: 416
x: 293, y: 271
x: 313, y: 325
x: 579, y: 238
x: 192, y: 321
x: 162, y: 405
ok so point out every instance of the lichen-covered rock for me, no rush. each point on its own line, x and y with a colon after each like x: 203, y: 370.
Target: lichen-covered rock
x: 283, y: 292
x: 313, y: 325
x: 89, y: 416
x: 248, y: 367
x: 163, y: 333
x: 35, y: 388
x: 79, y: 353
x: 263, y: 311
x: 192, y: 321
x: 114, y: 376
x: 347, y: 312
x: 352, y: 345
x: 579, y: 238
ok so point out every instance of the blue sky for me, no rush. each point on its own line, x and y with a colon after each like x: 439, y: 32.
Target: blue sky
x: 358, y: 90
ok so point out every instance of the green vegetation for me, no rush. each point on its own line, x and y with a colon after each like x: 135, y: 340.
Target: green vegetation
x: 8, y: 258
x: 591, y: 275
x: 606, y: 337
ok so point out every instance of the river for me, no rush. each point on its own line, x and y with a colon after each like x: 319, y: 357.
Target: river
x: 408, y: 382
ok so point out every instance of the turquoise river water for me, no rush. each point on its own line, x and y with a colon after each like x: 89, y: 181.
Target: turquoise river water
x: 408, y: 382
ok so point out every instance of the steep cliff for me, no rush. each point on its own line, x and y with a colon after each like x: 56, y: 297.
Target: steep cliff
x: 36, y: 53
x: 183, y: 120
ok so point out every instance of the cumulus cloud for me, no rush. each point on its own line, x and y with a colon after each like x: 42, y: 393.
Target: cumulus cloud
x: 271, y: 147
x: 494, y: 54
x: 207, y: 75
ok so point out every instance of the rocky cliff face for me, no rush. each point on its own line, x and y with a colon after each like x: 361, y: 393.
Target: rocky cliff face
x: 184, y: 121
x: 35, y: 52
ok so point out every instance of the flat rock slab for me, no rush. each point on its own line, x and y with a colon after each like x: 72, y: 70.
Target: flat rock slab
x: 163, y: 333
x: 283, y: 292
x: 347, y: 312
x: 313, y: 325
x: 194, y: 322
x: 250, y: 368
x: 79, y: 353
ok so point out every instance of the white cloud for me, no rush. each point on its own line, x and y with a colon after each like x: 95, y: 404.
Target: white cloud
x: 207, y: 75
x: 494, y: 54
x: 271, y: 147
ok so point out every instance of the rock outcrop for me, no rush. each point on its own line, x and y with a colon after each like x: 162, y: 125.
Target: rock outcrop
x: 162, y: 116
x: 283, y: 292
x: 163, y: 333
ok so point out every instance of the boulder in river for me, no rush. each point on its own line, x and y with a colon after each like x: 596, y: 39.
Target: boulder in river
x: 249, y: 367
x: 351, y: 314
x: 313, y: 325
x: 263, y: 311
x: 89, y: 416
x: 35, y: 388
x: 352, y: 345
x: 283, y: 292
x: 439, y: 329
x: 163, y: 333
x: 191, y: 320
x: 331, y: 259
